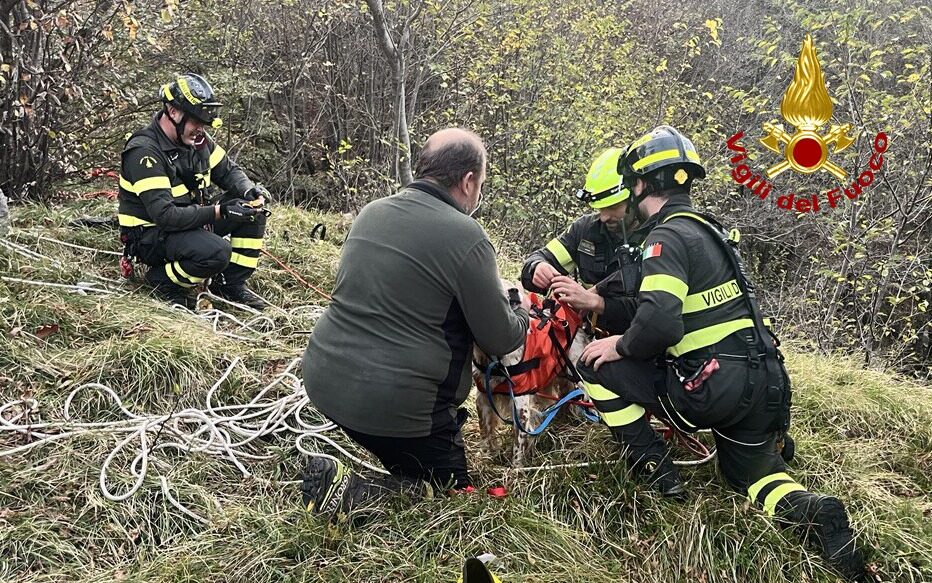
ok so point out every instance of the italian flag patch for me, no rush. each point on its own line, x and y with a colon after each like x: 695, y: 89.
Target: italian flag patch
x: 652, y: 250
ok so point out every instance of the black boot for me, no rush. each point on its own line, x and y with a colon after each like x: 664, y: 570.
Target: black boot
x: 823, y: 522
x: 662, y: 475
x: 238, y: 293
x: 172, y: 293
x: 649, y: 457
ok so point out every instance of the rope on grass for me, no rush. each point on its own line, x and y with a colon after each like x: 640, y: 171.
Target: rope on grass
x: 231, y: 432
x: 81, y: 247
x: 81, y: 287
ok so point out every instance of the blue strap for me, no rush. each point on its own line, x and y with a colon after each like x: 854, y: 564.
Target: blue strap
x: 548, y: 414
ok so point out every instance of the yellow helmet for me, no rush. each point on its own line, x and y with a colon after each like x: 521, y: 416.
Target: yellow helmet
x: 603, y: 182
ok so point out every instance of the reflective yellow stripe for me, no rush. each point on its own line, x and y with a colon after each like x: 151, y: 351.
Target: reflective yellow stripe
x: 560, y: 252
x: 710, y: 298
x: 626, y: 416
x: 216, y: 156
x: 153, y: 183
x: 203, y: 180
x: 131, y: 221
x: 244, y: 260
x: 245, y: 243
x: 759, y: 485
x: 598, y: 392
x: 185, y: 274
x: 665, y: 283
x: 656, y: 157
x: 639, y: 142
x: 770, y: 503
x: 692, y: 156
x: 183, y: 85
x: 708, y: 336
x: 171, y: 275
x: 768, y: 322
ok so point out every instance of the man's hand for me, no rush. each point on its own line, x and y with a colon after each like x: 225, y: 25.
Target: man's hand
x: 236, y: 210
x: 578, y: 297
x: 598, y: 352
x: 544, y: 274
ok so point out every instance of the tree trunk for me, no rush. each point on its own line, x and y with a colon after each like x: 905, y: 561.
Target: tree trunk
x: 395, y: 55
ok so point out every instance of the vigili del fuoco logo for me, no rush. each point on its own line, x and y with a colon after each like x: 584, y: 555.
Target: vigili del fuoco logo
x: 807, y: 106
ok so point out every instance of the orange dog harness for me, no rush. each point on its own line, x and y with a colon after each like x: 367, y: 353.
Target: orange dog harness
x: 550, y: 334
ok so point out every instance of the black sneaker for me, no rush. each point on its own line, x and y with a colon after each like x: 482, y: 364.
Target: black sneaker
x: 239, y: 294
x: 830, y: 532
x: 323, y: 485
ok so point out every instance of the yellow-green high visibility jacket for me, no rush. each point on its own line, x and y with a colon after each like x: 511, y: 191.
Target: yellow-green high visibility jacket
x: 163, y: 184
x: 689, y: 297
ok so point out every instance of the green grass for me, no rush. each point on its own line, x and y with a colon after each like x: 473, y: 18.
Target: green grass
x: 863, y: 435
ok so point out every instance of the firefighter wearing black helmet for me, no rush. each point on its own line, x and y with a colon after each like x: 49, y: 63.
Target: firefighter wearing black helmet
x: 698, y: 354
x: 168, y: 218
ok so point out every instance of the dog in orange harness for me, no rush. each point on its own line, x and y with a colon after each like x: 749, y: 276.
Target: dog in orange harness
x: 517, y: 387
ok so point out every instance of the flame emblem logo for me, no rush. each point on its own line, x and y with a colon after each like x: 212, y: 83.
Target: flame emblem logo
x: 807, y: 106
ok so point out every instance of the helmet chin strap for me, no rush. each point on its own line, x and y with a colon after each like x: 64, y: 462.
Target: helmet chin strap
x: 179, y: 125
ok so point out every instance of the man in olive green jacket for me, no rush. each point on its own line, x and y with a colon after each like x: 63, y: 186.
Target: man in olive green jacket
x: 390, y: 361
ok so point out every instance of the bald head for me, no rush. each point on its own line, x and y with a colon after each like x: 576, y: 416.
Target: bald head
x: 451, y: 154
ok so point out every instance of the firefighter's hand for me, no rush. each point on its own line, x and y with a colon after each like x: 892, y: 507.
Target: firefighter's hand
x: 258, y: 192
x: 579, y: 298
x: 598, y: 352
x: 544, y: 274
x: 236, y: 210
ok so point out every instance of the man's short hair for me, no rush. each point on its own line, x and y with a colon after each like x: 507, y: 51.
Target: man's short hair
x: 449, y: 162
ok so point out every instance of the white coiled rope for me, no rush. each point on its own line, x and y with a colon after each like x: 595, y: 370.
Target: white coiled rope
x: 228, y: 431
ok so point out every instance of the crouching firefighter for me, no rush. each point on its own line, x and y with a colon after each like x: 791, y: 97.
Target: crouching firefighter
x: 596, y: 246
x: 167, y: 220
x: 698, y: 354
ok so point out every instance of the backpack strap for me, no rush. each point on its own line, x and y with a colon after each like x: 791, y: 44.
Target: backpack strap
x: 728, y: 242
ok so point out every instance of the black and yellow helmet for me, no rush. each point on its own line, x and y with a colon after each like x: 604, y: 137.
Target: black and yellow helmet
x: 603, y: 182
x: 193, y: 95
x: 664, y: 157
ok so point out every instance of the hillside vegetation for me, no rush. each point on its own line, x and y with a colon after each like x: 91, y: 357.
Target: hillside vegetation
x: 865, y: 435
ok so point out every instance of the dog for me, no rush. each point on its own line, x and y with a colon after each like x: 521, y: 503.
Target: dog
x: 528, y: 406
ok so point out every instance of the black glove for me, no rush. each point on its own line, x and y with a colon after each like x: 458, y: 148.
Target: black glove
x: 258, y: 191
x: 236, y: 211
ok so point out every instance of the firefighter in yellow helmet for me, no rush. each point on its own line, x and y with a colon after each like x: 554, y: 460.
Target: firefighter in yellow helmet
x: 698, y: 353
x: 594, y: 247
x: 169, y: 218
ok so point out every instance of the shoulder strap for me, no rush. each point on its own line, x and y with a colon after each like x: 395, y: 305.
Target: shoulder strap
x: 728, y: 242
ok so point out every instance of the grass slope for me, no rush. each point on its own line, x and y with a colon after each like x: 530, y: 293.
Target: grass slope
x: 864, y: 435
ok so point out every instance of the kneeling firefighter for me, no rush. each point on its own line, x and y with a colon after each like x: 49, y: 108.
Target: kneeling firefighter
x: 167, y: 219
x: 595, y: 247
x: 698, y: 354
